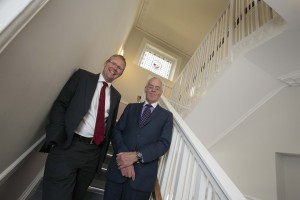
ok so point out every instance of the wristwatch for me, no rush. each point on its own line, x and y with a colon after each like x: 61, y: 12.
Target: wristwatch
x: 139, y: 156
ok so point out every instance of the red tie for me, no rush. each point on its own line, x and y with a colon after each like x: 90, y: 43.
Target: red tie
x: 99, y: 127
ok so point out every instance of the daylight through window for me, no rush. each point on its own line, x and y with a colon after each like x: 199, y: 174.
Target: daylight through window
x: 157, y: 62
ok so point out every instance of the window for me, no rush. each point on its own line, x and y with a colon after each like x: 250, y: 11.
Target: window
x: 157, y: 60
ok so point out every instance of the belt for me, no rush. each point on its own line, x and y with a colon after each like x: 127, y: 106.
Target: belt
x: 84, y: 139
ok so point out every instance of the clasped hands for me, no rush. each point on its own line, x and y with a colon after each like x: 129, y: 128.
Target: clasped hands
x: 125, y: 161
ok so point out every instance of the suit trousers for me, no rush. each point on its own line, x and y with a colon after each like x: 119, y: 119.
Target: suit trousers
x: 69, y: 172
x: 123, y: 191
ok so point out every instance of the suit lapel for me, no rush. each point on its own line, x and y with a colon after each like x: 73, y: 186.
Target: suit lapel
x: 153, y: 115
x: 90, y: 90
x: 139, y: 110
x: 113, y: 100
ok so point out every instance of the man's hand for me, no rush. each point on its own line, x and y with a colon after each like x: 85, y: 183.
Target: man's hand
x: 128, y: 172
x: 125, y: 159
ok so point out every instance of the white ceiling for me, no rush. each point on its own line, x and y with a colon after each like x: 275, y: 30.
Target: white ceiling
x: 181, y: 24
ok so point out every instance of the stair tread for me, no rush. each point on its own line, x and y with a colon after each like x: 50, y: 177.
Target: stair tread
x: 100, y: 184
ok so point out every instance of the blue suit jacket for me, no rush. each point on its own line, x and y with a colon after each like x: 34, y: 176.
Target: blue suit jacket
x: 70, y: 107
x: 152, y: 140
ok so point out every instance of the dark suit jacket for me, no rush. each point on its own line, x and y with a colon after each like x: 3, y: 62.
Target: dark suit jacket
x: 152, y: 140
x: 71, y: 106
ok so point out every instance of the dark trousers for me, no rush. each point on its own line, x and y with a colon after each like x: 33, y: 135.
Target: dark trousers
x: 69, y: 172
x: 123, y: 191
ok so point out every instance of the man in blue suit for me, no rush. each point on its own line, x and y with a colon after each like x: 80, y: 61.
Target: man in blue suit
x: 138, y: 143
x: 74, y: 153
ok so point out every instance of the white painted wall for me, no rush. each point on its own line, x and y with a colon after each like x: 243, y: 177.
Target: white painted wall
x: 247, y: 153
x: 253, y: 116
x: 64, y: 35
x: 248, y: 116
x: 288, y: 176
x: 230, y: 99
x: 131, y: 84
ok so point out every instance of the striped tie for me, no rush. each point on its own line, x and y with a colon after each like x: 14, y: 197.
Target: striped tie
x: 145, y: 115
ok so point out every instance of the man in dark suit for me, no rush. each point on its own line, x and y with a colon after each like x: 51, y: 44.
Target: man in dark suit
x: 138, y: 143
x: 74, y: 153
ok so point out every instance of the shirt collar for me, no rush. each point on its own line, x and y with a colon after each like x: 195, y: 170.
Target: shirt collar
x: 101, y: 79
x: 152, y: 104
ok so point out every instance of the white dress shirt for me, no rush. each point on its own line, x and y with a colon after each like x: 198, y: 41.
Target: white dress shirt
x: 87, y: 125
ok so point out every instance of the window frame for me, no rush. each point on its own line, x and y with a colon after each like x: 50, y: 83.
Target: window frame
x: 146, y: 44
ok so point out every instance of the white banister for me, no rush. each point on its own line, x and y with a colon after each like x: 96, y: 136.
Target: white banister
x: 241, y: 19
x: 189, y: 171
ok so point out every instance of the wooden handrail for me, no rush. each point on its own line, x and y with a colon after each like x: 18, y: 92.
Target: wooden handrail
x: 156, y: 195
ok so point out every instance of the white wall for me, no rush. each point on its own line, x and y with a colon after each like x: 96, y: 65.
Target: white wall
x: 64, y: 35
x: 288, y: 176
x: 235, y: 94
x: 247, y: 153
x: 253, y: 116
x: 131, y: 84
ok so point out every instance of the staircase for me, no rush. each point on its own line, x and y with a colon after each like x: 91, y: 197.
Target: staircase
x: 95, y: 190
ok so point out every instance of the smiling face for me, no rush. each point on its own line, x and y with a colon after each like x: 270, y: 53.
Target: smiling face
x: 113, y: 68
x: 153, y: 90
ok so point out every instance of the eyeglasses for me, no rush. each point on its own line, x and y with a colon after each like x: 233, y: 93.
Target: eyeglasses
x: 115, y: 64
x: 154, y: 88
